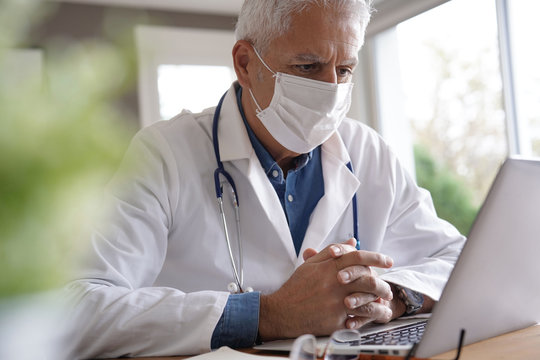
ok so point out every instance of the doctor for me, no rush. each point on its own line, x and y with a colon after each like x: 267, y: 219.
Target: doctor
x: 307, y: 181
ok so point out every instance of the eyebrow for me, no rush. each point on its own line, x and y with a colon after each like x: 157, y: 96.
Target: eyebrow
x: 312, y: 58
x: 309, y: 58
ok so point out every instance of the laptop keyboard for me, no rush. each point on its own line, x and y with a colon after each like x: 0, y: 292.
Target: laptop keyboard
x: 403, y: 335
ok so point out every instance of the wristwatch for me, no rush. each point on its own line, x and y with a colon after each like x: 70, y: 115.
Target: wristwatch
x: 413, y: 300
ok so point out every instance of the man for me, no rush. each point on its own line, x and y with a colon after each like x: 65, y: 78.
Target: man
x: 307, y: 180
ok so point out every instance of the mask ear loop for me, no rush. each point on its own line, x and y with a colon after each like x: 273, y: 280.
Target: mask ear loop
x: 255, y: 101
x: 262, y: 61
x: 259, y: 109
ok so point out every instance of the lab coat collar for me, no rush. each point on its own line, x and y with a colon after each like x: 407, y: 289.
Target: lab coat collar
x: 233, y: 138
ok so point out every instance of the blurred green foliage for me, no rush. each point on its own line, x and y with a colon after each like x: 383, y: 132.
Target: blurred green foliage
x: 61, y: 138
x: 451, y: 197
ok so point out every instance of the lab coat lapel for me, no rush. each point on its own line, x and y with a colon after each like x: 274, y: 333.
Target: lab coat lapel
x: 235, y: 148
x: 340, y: 185
x: 272, y: 206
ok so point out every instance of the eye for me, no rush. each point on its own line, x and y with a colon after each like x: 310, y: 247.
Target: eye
x: 342, y: 72
x: 305, y: 68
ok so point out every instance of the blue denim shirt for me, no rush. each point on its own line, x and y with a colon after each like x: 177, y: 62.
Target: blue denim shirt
x: 298, y: 193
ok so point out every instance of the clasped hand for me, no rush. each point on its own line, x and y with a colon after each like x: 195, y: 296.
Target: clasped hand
x: 334, y: 288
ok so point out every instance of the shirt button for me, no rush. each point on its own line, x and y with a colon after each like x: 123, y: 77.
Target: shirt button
x: 275, y: 173
x: 290, y: 198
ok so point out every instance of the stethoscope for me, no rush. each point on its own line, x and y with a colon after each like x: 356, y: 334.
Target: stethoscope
x: 237, y: 286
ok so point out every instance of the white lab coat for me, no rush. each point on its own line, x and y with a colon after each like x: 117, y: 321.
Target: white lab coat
x: 157, y: 280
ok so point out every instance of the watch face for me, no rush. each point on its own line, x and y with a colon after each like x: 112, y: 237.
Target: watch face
x: 412, y: 299
x: 415, y: 297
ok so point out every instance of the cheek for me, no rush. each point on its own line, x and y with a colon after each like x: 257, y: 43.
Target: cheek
x: 264, y: 90
x: 345, y: 79
x: 260, y: 76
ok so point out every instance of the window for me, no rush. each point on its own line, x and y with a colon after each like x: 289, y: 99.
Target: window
x: 446, y: 80
x: 186, y: 87
x: 181, y: 69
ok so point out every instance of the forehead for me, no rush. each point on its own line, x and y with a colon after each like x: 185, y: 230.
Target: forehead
x: 321, y: 31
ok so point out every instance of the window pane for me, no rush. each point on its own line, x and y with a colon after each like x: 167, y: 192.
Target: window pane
x: 524, y: 30
x: 191, y: 87
x: 453, y: 97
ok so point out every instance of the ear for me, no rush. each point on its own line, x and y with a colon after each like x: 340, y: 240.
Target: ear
x: 242, y: 54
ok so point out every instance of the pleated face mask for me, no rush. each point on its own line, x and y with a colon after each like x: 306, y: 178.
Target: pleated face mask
x: 303, y: 113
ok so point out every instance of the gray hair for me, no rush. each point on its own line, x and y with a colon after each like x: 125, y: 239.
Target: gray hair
x: 262, y: 21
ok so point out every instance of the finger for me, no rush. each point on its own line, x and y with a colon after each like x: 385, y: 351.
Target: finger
x: 352, y: 273
x: 356, y: 322
x: 374, y: 311
x: 365, y: 258
x: 333, y: 251
x: 387, y: 304
x: 309, y: 253
x: 371, y: 285
x: 352, y: 242
x: 356, y: 300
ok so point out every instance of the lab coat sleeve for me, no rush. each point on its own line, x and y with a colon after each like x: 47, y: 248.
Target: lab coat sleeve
x: 117, y: 311
x: 424, y: 247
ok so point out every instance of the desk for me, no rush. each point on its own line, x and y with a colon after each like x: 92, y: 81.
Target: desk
x: 518, y: 345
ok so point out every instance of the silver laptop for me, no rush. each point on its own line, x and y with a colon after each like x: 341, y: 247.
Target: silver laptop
x: 494, y: 287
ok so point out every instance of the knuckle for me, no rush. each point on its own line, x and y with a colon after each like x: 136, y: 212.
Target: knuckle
x: 359, y: 256
x: 347, y: 248
x: 356, y: 271
x: 387, y: 315
x: 380, y: 258
x: 371, y: 282
x: 388, y: 289
x: 368, y: 309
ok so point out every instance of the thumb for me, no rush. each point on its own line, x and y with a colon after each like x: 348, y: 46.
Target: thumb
x: 331, y: 251
x: 309, y: 253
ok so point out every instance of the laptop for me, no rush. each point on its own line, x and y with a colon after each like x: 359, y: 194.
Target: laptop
x: 494, y: 287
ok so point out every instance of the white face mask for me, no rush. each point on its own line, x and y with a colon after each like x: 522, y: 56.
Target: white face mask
x: 303, y: 113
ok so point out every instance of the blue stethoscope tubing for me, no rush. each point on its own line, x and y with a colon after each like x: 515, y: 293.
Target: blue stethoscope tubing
x: 237, y: 286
